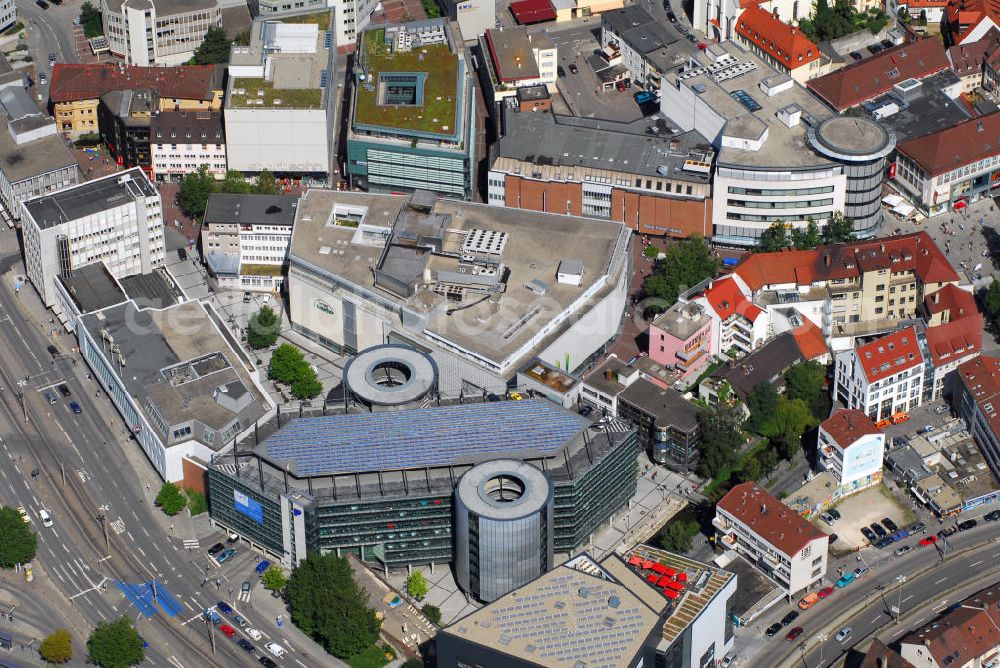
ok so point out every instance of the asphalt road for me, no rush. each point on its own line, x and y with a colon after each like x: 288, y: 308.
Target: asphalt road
x: 99, y: 478
x: 865, y: 605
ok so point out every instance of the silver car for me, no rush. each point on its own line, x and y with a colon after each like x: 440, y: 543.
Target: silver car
x: 844, y: 632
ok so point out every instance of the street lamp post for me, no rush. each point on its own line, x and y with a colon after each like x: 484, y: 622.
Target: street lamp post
x: 822, y: 638
x: 901, y: 579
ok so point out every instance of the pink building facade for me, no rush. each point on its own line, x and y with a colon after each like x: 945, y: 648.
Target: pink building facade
x: 681, y: 338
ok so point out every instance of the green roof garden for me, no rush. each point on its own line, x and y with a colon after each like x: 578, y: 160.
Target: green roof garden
x: 322, y: 19
x: 273, y: 98
x: 432, y: 106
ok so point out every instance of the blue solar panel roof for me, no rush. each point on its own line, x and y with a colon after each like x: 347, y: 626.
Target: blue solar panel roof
x: 421, y: 437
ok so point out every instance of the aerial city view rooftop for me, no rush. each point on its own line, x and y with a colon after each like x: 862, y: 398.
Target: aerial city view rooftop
x: 524, y: 333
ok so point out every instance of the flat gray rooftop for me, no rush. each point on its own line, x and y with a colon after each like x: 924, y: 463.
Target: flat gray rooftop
x: 251, y: 209
x: 930, y: 111
x: 682, y: 320
x: 784, y: 147
x: 89, y: 198
x: 494, y: 330
x: 550, y: 140
x: 41, y: 156
x: 659, y: 42
x: 668, y: 406
x: 93, y: 287
x: 152, y: 342
x: 150, y: 289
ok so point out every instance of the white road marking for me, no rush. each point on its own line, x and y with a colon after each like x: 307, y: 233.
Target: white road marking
x: 940, y: 605
x: 907, y: 598
x: 977, y: 563
x: 875, y: 619
x: 65, y: 548
x: 941, y: 580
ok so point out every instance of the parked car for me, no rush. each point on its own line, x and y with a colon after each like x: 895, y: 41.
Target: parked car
x: 928, y: 540
x: 772, y: 630
x: 900, y: 535
x: 52, y: 60
x: 42, y: 4
x: 226, y: 556
x: 63, y: 390
x: 247, y: 645
x: 828, y: 518
x: 966, y: 525
x: 845, y: 579
x: 992, y: 516
x: 940, y: 410
x: 24, y: 515
x: 790, y: 617
x: 43, y: 78
x: 860, y: 570
x: 560, y: 72
x: 886, y: 44
x: 926, y: 429
x: 947, y: 531
x: 238, y: 620
x: 900, y: 417
x: 215, y: 549
x: 224, y: 607
x: 75, y: 407
x: 869, y: 534
x: 875, y: 48
x: 844, y: 632
x: 917, y: 527
x: 52, y: 350
x: 254, y: 633
x: 878, y: 529
x: 228, y: 630
x: 903, y: 549
x: 883, y: 543
x: 825, y: 591
x: 213, y: 616
x: 834, y: 513
x: 794, y: 633
x: 263, y: 566
x: 275, y: 649
x: 808, y: 601
x: 727, y: 660
x: 266, y: 662
x: 890, y: 525
x: 856, y: 55
x: 573, y: 68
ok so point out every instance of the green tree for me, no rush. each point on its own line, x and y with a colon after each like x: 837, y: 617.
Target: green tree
x: 991, y: 301
x: 413, y: 663
x: 242, y: 37
x: 805, y: 381
x: 195, y: 188
x: 753, y: 469
x: 416, y: 585
x: 431, y: 612
x: 57, y: 647
x: 721, y: 437
x: 274, y: 578
x: 761, y: 402
x: 17, y: 542
x: 773, y: 239
x: 307, y: 385
x: 839, y: 229
x: 687, y: 263
x: 170, y: 499
x: 214, y: 49
x: 90, y: 19
x: 768, y: 460
x: 807, y: 238
x: 263, y: 328
x: 329, y: 606
x: 234, y: 183
x: 678, y: 536
x: 266, y: 184
x: 286, y: 364
x: 791, y: 418
x: 115, y: 644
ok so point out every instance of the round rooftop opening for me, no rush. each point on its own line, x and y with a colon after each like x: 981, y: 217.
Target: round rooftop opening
x: 504, y: 488
x: 391, y: 373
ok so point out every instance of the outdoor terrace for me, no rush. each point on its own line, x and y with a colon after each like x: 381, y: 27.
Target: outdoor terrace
x: 274, y: 98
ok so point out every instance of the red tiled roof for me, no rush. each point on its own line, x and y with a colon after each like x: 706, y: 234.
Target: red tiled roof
x: 926, y: 4
x: 874, y: 76
x: 880, y: 656
x: 848, y: 425
x: 890, y: 354
x: 915, y: 251
x: 962, y: 16
x: 981, y: 378
x: 968, y: 59
x: 726, y: 299
x: 968, y: 632
x: 769, y: 518
x: 73, y: 82
x: 956, y: 339
x: 785, y: 43
x: 527, y: 12
x: 956, y: 146
x: 953, y: 300
x: 810, y: 340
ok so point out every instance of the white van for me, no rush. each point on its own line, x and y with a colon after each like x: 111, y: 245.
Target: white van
x: 46, y: 517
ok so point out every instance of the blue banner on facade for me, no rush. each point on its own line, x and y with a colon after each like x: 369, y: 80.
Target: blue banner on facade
x: 248, y: 506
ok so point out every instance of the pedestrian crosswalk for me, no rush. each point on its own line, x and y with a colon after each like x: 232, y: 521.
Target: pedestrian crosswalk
x: 118, y: 526
x: 244, y: 596
x: 191, y: 544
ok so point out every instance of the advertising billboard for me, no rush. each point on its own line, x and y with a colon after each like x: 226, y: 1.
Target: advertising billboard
x: 248, y: 506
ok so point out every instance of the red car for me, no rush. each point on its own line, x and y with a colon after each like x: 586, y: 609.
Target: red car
x: 928, y: 540
x: 823, y: 593
x: 228, y: 630
x: 794, y: 633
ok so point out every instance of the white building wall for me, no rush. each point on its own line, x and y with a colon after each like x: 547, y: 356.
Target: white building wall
x: 168, y: 161
x: 281, y: 140
x: 709, y: 629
